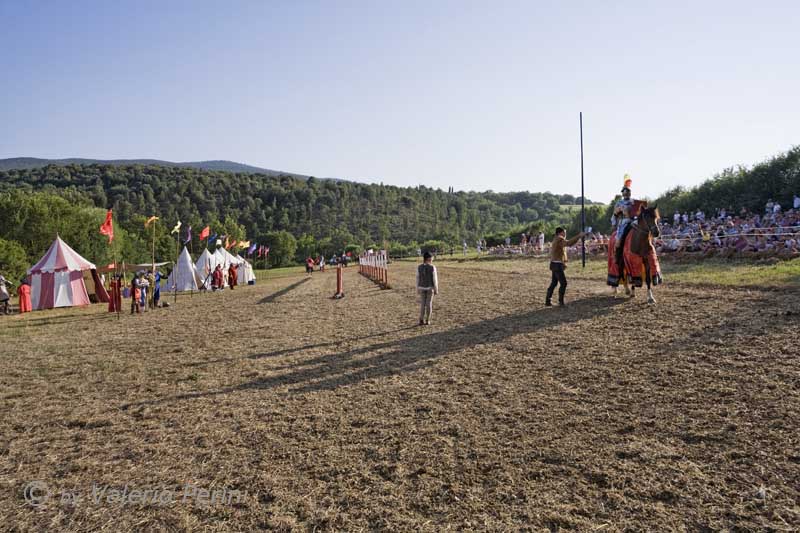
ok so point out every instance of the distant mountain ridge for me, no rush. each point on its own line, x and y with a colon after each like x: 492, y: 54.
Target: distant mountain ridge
x: 22, y: 163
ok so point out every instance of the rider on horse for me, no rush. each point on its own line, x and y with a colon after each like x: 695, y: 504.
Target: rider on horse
x: 623, y: 213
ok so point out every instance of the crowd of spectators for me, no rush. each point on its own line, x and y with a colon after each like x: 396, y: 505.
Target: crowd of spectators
x: 596, y: 244
x: 775, y: 232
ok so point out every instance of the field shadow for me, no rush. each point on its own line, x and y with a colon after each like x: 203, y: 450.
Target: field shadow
x: 289, y: 351
x: 55, y: 320
x: 331, y: 371
x: 289, y: 288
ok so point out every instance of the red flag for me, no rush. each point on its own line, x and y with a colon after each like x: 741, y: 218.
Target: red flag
x: 205, y: 233
x: 107, y: 227
x: 230, y: 245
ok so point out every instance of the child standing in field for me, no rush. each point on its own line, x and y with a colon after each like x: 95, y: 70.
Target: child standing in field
x: 427, y: 287
x: 558, y: 262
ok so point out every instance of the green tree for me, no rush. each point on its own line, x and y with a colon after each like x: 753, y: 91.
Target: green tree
x: 282, y: 248
x: 13, y: 261
x: 306, y: 247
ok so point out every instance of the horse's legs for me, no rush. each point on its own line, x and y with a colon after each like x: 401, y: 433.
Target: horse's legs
x: 624, y: 279
x: 650, y: 298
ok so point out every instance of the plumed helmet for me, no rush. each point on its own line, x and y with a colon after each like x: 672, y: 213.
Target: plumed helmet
x: 627, y: 184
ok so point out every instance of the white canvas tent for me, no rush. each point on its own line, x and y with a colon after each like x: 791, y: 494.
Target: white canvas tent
x: 184, y: 276
x: 205, y: 266
x: 245, y: 273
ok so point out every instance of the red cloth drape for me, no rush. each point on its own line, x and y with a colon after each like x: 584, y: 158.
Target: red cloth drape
x: 115, y: 297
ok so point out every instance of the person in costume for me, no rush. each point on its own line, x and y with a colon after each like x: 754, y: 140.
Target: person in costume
x: 216, y: 279
x: 24, y: 293
x: 233, y: 276
x: 622, y: 216
x: 144, y: 287
x: 136, y: 295
x: 5, y: 296
x: 157, y: 288
x: 151, y: 282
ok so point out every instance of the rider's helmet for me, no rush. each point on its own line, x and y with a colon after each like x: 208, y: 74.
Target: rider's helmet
x: 627, y: 184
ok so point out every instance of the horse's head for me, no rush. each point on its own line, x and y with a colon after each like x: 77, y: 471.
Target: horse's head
x: 649, y: 218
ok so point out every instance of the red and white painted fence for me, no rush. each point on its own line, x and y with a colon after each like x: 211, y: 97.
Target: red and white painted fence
x: 375, y: 267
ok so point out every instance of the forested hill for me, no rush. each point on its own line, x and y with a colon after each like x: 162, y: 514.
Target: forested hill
x: 345, y: 212
x: 21, y: 163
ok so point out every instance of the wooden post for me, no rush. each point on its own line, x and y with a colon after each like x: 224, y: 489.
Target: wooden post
x: 339, y: 282
x: 583, y: 203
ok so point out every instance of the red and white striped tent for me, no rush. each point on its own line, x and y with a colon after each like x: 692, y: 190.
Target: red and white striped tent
x: 57, y: 280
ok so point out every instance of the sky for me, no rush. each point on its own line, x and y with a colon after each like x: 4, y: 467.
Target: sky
x: 444, y: 93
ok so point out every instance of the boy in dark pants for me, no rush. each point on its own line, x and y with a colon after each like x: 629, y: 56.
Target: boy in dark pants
x: 558, y: 262
x: 427, y: 287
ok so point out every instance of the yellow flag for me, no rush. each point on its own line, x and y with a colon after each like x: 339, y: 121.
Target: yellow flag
x: 177, y: 228
x: 244, y: 244
x: 150, y: 221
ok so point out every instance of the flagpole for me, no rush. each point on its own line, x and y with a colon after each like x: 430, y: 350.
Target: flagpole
x: 191, y: 290
x: 154, y: 249
x: 117, y: 282
x: 583, y: 202
x: 175, y: 270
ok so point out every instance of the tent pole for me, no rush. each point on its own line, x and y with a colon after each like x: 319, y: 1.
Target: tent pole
x: 117, y: 282
x: 583, y: 201
x: 154, y: 249
x: 175, y: 269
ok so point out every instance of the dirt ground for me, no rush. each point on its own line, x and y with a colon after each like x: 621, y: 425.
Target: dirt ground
x: 322, y: 414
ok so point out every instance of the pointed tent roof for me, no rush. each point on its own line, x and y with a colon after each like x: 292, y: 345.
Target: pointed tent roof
x: 204, y: 266
x: 184, y: 275
x: 60, y: 258
x: 206, y: 261
x: 225, y: 258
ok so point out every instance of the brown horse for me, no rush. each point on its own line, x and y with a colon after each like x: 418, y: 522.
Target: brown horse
x: 641, y: 245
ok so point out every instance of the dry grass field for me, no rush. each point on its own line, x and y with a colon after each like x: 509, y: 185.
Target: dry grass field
x: 306, y: 413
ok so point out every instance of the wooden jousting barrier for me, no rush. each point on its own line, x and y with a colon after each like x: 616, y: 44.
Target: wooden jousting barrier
x: 375, y: 267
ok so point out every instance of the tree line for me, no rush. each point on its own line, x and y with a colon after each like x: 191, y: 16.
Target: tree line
x: 296, y: 217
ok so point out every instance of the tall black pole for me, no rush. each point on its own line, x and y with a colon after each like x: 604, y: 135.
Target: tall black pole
x: 583, y: 201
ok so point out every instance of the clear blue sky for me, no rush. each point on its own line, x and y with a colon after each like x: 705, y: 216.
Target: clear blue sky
x: 474, y: 95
